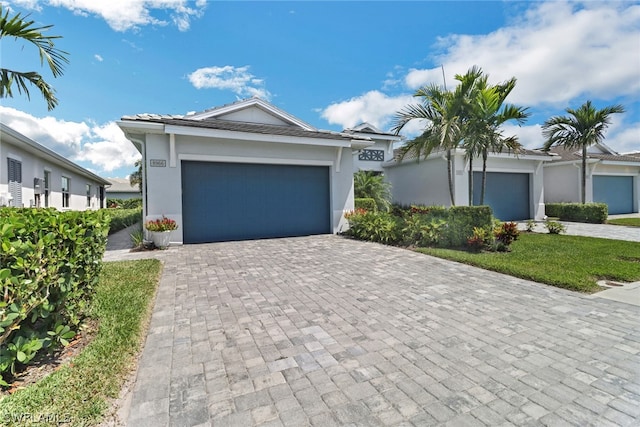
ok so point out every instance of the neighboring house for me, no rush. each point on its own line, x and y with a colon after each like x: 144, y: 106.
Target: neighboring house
x: 31, y: 175
x: 611, y: 178
x: 514, y: 187
x: 372, y: 158
x: 242, y: 171
x: 122, y: 189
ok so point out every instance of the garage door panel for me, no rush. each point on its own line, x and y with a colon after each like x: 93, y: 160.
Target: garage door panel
x: 506, y: 193
x: 615, y: 191
x: 237, y: 201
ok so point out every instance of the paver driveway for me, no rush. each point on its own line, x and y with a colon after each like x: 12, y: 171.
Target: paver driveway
x: 327, y: 331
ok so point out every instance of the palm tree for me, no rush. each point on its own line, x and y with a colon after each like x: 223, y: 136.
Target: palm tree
x: 583, y: 128
x: 368, y: 184
x: 487, y: 115
x: 20, y: 28
x: 136, y: 177
x: 441, y: 109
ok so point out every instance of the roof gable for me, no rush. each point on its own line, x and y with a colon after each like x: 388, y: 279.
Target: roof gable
x: 252, y: 110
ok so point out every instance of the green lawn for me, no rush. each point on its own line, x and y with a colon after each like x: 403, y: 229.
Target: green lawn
x: 631, y: 222
x: 78, y: 394
x: 571, y: 262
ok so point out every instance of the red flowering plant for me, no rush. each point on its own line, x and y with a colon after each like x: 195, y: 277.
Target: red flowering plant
x: 162, y: 224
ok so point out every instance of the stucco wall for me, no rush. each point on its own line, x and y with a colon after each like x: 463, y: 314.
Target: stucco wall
x: 423, y: 182
x: 372, y: 165
x: 562, y: 183
x: 164, y: 191
x: 34, y: 167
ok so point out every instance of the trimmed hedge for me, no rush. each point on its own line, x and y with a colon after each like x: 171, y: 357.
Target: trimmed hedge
x: 420, y: 225
x: 123, y: 218
x: 49, y: 263
x: 366, y: 203
x: 595, y: 213
x: 463, y: 219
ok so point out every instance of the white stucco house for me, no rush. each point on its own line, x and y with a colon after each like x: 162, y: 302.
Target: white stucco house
x: 32, y: 175
x: 245, y: 170
x: 373, y: 157
x: 514, y: 189
x: 611, y: 178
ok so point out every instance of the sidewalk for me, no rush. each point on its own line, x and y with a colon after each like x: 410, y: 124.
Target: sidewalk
x: 119, y: 246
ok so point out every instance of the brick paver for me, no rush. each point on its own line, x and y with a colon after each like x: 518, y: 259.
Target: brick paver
x: 326, y: 331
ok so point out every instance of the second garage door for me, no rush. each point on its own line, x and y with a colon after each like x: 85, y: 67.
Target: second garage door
x: 506, y: 193
x: 615, y: 191
x: 242, y: 201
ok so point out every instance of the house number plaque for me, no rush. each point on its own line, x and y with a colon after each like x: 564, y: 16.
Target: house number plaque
x: 157, y: 163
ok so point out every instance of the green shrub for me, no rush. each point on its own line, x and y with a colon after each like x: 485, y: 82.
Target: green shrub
x: 123, y: 218
x: 124, y: 203
x: 554, y: 227
x: 462, y: 220
x: 366, y: 203
x: 595, y: 213
x: 49, y: 263
x: 381, y: 227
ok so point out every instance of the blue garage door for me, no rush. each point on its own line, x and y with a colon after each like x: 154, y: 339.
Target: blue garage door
x: 506, y: 193
x: 615, y: 191
x: 238, y: 201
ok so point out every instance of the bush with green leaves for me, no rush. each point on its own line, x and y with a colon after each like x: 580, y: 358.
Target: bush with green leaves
x: 422, y: 228
x: 496, y: 238
x: 49, y: 263
x: 554, y: 227
x: 463, y: 219
x: 114, y: 203
x: 366, y: 203
x: 380, y: 227
x: 123, y: 218
x: 369, y: 184
x: 595, y: 213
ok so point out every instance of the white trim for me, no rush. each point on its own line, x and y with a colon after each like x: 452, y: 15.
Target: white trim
x: 338, y: 159
x: 257, y: 160
x: 252, y: 102
x: 249, y: 136
x: 13, y: 156
x: 172, y: 150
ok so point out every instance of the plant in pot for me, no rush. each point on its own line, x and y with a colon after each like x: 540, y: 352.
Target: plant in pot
x: 160, y: 230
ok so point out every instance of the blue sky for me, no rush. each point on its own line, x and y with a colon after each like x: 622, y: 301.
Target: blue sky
x: 332, y: 64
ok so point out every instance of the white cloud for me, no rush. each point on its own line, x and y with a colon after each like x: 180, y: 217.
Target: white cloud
x: 237, y: 79
x: 558, y: 51
x: 123, y: 15
x: 529, y: 136
x: 98, y: 57
x: 103, y: 146
x: 373, y: 107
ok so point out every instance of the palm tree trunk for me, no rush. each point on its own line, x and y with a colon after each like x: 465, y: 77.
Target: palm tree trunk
x: 449, y: 171
x: 470, y: 180
x: 584, y: 173
x: 484, y: 177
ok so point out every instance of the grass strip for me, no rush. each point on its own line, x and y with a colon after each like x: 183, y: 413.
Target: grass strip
x: 570, y: 262
x: 629, y: 222
x: 78, y: 393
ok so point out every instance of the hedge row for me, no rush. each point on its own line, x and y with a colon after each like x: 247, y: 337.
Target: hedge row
x: 124, y: 203
x: 420, y: 225
x: 588, y: 212
x: 123, y: 218
x: 366, y: 203
x: 49, y: 263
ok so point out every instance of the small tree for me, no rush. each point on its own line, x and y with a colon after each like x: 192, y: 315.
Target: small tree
x: 368, y: 184
x: 20, y: 28
x: 583, y: 128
